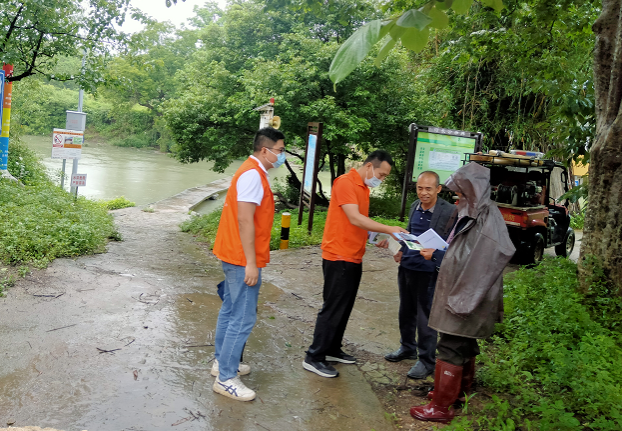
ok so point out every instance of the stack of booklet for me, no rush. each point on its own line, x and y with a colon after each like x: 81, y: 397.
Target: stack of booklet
x: 428, y: 239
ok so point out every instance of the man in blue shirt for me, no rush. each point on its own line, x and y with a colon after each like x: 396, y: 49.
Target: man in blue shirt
x: 417, y: 277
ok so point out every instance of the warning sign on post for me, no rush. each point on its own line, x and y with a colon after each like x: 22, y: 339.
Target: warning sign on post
x: 78, y: 180
x: 67, y: 144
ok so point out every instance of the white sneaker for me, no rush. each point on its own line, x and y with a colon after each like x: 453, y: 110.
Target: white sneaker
x: 234, y: 388
x: 243, y: 369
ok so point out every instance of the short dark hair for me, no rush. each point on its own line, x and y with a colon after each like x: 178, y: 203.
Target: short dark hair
x: 266, y: 137
x: 438, y: 179
x: 377, y: 157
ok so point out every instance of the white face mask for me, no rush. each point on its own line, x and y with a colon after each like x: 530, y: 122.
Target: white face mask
x: 373, y: 181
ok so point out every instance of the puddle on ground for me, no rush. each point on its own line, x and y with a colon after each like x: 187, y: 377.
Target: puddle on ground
x: 161, y: 316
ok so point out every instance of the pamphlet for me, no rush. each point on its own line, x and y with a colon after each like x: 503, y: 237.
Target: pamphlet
x: 430, y: 239
x: 413, y: 245
x: 375, y: 238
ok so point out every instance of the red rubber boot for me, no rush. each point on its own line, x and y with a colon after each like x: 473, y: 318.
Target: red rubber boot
x: 468, y: 376
x: 447, y: 382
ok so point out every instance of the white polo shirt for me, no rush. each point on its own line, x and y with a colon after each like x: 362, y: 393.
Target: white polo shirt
x: 249, y: 185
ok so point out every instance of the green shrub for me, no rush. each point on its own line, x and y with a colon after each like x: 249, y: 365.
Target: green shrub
x: 206, y: 226
x: 24, y: 164
x: 299, y: 235
x: 118, y: 203
x: 203, y: 226
x: 40, y: 222
x: 577, y: 220
x: 561, y: 367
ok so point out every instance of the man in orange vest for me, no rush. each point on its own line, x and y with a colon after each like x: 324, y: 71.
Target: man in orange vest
x: 343, y: 247
x: 243, y: 245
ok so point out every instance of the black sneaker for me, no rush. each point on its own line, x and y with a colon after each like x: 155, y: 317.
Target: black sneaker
x: 342, y: 357
x: 321, y: 368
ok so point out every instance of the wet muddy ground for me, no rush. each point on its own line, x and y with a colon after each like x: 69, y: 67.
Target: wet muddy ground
x: 123, y: 341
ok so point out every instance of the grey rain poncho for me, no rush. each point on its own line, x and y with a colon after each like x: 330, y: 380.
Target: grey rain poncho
x: 469, y: 292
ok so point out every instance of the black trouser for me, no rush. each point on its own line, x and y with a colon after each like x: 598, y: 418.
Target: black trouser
x: 341, y: 284
x: 416, y: 294
x: 457, y: 350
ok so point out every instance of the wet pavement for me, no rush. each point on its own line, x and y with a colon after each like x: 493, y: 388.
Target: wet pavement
x: 123, y: 341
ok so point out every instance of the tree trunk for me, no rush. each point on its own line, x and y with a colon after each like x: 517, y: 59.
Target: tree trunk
x: 603, y: 225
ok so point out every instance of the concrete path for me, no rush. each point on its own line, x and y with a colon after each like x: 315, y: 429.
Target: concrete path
x: 124, y: 340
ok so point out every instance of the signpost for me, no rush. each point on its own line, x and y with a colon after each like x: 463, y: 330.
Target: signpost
x: 436, y: 149
x: 78, y: 180
x: 67, y: 144
x: 309, y: 178
x: 4, y: 140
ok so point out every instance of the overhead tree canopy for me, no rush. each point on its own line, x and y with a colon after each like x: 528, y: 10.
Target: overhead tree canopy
x: 37, y: 33
x: 248, y: 56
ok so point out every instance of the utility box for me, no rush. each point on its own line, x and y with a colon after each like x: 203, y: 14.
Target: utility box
x: 76, y: 121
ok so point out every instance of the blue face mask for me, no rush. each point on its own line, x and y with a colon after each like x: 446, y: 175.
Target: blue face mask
x: 280, y: 159
x: 373, y: 181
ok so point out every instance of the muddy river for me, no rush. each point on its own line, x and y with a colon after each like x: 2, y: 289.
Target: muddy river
x: 141, y: 175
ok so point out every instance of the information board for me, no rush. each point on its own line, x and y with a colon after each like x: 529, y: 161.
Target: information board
x: 309, y: 178
x: 442, y: 154
x: 67, y: 144
x: 436, y: 149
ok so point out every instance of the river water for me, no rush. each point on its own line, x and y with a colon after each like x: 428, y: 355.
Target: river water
x: 141, y: 175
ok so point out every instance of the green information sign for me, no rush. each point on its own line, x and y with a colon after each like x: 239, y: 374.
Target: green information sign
x: 440, y: 153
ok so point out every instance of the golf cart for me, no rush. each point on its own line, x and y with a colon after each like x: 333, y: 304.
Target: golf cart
x: 520, y: 185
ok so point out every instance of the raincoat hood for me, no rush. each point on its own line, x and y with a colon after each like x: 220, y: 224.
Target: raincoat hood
x: 473, y: 181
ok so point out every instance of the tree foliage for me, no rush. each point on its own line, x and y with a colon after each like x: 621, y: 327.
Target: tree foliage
x: 37, y: 32
x: 248, y: 56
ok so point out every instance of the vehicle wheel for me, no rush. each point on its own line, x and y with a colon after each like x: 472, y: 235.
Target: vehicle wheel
x: 565, y: 248
x: 535, y: 253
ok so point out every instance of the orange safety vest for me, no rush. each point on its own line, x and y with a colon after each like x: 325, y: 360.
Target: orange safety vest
x: 228, y: 246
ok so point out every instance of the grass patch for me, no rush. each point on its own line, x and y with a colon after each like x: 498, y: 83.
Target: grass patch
x: 118, y: 203
x: 206, y: 226
x: 40, y: 222
x: 560, y: 367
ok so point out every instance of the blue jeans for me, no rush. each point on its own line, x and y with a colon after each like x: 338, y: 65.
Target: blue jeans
x: 236, y: 319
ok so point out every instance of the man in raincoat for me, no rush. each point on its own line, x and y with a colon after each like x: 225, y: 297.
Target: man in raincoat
x: 469, y: 292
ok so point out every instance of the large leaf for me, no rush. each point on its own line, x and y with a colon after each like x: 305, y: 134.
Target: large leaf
x: 388, y: 45
x: 414, y: 19
x: 386, y: 27
x: 497, y: 5
x: 354, y: 50
x: 461, y: 6
x: 415, y: 39
x: 440, y: 19
x: 396, y: 31
x: 444, y: 5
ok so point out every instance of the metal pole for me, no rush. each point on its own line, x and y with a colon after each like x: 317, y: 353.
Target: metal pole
x: 74, y: 168
x: 62, y: 175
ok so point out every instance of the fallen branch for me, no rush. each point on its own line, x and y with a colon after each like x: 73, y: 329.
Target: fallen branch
x: 62, y: 327
x: 201, y: 345
x: 107, y: 351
